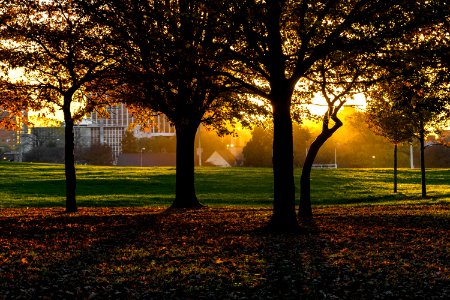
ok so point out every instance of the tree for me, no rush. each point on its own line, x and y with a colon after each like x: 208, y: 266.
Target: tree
x: 279, y: 42
x: 47, y: 154
x: 258, y: 151
x: 64, y: 56
x: 385, y: 120
x: 336, y: 82
x: 302, y: 136
x: 160, y: 144
x: 130, y: 143
x: 170, y: 64
x: 47, y: 144
x: 438, y: 156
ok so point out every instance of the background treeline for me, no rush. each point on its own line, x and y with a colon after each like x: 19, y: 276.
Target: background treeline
x: 355, y: 144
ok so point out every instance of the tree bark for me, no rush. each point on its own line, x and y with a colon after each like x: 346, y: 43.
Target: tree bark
x: 395, y: 167
x: 305, y: 209
x: 422, y: 159
x: 283, y: 218
x: 185, y: 196
x: 69, y: 159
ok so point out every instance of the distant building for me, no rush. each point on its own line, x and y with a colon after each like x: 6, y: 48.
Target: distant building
x: 94, y: 129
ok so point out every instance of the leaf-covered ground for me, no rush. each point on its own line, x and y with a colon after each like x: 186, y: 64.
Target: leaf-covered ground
x: 220, y: 253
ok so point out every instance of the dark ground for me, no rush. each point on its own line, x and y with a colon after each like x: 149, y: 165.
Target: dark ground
x: 377, y: 252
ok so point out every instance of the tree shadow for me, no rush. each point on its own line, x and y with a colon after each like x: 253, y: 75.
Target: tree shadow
x: 210, y: 253
x: 63, y: 252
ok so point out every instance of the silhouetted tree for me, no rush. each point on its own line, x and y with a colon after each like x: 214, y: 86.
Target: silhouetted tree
x: 130, y: 143
x: 45, y: 154
x: 336, y: 80
x: 163, y: 144
x: 171, y: 64
x: 63, y: 55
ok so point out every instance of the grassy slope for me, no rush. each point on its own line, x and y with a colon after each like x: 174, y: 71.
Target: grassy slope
x: 43, y: 185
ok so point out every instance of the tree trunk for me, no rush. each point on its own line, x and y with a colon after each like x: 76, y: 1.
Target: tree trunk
x: 185, y: 196
x: 305, y: 209
x: 283, y: 218
x: 422, y: 160
x: 69, y: 159
x: 395, y: 167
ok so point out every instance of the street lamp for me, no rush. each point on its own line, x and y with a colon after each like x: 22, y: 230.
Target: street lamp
x: 142, y: 149
x: 199, y: 148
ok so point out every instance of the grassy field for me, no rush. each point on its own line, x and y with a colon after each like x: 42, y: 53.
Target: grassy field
x: 42, y: 185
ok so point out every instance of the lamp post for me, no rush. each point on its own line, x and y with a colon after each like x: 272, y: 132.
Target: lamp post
x: 142, y: 149
x: 199, y: 148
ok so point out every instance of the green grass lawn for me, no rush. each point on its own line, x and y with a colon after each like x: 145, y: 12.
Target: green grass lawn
x: 42, y: 185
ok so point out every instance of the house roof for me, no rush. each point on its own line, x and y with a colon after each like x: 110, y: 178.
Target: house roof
x: 224, y: 155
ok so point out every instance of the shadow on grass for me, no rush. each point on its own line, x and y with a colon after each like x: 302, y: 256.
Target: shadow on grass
x: 81, y: 250
x: 378, y: 199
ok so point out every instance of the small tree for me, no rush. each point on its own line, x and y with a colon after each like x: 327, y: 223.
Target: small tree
x: 385, y: 120
x: 414, y: 98
x: 258, y: 150
x: 337, y: 80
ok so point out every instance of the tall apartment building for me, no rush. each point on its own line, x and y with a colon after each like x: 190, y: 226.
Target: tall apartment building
x: 94, y: 129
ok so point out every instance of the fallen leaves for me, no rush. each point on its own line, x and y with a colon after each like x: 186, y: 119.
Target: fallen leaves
x: 345, y: 252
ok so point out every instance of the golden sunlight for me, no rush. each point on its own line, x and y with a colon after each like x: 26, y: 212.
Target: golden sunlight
x: 318, y: 106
